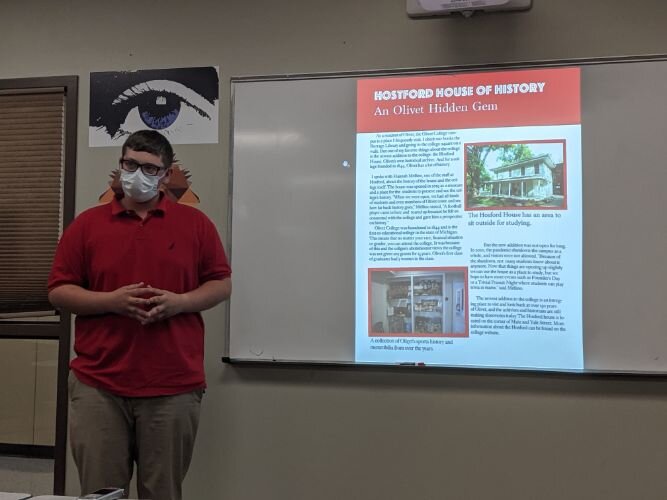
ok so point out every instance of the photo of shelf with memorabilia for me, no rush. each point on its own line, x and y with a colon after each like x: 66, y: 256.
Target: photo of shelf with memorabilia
x: 418, y: 302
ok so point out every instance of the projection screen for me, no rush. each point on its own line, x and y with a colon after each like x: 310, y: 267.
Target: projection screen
x: 504, y: 216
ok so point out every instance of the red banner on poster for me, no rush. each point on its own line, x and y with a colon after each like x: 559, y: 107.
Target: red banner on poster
x: 469, y: 100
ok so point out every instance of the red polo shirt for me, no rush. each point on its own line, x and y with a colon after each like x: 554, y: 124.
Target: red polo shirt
x: 176, y: 248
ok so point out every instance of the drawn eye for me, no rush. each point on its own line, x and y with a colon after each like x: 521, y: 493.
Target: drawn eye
x: 160, y: 104
x: 181, y: 102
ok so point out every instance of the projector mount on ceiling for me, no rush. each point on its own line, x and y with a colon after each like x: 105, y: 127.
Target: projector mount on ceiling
x: 423, y: 8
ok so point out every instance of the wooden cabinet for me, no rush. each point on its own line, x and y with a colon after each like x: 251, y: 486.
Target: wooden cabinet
x: 28, y: 375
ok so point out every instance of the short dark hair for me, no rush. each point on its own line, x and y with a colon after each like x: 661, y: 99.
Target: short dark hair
x: 153, y: 142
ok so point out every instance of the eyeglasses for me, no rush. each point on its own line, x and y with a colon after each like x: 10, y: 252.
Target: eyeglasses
x: 146, y: 168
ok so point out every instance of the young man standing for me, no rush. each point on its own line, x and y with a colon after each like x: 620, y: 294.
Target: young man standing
x: 137, y: 273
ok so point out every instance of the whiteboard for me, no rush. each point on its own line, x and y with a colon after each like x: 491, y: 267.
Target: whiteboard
x: 294, y: 201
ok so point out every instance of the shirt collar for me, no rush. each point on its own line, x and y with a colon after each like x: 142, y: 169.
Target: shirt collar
x: 161, y: 208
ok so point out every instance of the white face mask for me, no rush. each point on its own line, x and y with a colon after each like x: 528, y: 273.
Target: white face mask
x: 138, y: 186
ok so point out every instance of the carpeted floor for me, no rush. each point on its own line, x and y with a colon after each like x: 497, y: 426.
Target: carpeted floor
x: 26, y: 475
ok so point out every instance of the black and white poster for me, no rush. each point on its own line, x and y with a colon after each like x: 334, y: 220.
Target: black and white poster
x: 181, y: 103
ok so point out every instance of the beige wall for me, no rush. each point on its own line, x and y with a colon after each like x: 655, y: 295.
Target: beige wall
x: 303, y: 433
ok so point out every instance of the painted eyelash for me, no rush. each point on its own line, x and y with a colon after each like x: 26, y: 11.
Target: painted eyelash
x: 144, y: 88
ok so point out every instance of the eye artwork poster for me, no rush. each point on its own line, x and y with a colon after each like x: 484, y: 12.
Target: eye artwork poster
x: 181, y: 103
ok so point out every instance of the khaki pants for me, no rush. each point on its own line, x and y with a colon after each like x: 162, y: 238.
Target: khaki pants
x: 109, y: 433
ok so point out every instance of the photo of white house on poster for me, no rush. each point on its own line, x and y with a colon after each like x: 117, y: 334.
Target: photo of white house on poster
x: 469, y: 220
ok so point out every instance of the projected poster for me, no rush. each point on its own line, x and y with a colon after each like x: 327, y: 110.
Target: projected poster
x: 468, y: 220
